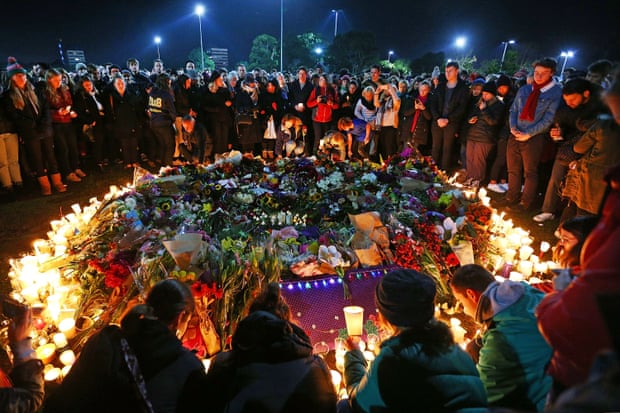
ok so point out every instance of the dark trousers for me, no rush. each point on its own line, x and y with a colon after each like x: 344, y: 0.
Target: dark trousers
x: 320, y: 129
x: 66, y: 147
x: 128, y: 140
x: 388, y: 141
x: 553, y: 194
x: 443, y: 144
x: 220, y: 136
x: 41, y: 156
x: 498, y: 169
x: 523, y: 159
x: 164, y: 139
x: 477, y: 156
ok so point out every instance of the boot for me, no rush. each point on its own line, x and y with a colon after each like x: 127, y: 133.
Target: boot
x: 57, y: 182
x: 44, y: 183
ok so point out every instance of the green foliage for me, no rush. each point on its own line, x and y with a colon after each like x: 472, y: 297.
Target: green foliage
x: 355, y: 50
x: 299, y: 49
x: 265, y: 52
x: 195, y: 55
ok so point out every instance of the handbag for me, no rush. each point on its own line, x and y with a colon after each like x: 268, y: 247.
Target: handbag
x: 270, y: 131
x: 243, y: 119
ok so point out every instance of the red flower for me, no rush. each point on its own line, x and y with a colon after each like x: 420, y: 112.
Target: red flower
x: 452, y: 260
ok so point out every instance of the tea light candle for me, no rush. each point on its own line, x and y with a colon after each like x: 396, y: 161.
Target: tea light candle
x: 525, y: 251
x: 60, y: 340
x: 67, y: 357
x: 509, y: 255
x: 336, y: 379
x: 46, y: 352
x: 525, y: 268
x: 457, y: 330
x: 65, y: 370
x: 67, y: 326
x: 540, y: 267
x: 53, y: 306
x: 76, y: 208
x: 53, y: 374
x: 516, y: 276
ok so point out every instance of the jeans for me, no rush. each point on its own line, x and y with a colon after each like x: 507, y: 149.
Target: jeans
x: 523, y: 159
x: 553, y: 192
x: 9, y: 160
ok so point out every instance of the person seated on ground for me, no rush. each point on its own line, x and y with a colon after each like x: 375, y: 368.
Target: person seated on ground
x: 419, y: 367
x: 334, y: 145
x: 270, y: 368
x: 196, y: 145
x: 22, y: 391
x: 291, y: 140
x: 139, y: 366
x: 512, y: 354
x: 358, y: 136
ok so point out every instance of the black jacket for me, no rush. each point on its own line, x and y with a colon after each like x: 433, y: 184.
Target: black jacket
x: 490, y: 120
x: 457, y: 107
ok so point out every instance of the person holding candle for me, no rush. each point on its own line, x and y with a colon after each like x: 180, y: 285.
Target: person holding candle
x: 419, y: 367
x: 137, y: 367
x: 511, y: 353
x: 22, y: 391
x: 270, y: 369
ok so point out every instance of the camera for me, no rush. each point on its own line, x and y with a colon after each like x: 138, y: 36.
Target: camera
x: 11, y: 308
x: 322, y: 99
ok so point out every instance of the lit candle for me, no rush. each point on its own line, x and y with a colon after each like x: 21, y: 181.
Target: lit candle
x: 67, y: 327
x: 369, y: 355
x: 540, y: 267
x: 53, y: 374
x: 65, y: 370
x: 509, y: 255
x: 457, y: 330
x: 525, y: 268
x: 76, y: 208
x: 67, y: 357
x: 525, y: 251
x: 336, y: 379
x: 60, y: 340
x: 516, y: 276
x: 46, y: 352
x: 206, y: 363
x: 53, y: 306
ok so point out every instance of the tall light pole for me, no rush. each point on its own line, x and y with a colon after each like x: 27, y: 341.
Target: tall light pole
x: 281, y: 34
x: 336, y: 23
x: 200, y: 10
x: 157, y: 40
x: 565, y: 55
x: 390, y: 53
x: 506, y: 43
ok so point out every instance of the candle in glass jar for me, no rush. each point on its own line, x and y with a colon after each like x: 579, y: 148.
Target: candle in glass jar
x: 67, y: 326
x: 67, y: 357
x: 46, y: 352
x: 525, y: 251
x: 525, y: 268
x: 60, y: 340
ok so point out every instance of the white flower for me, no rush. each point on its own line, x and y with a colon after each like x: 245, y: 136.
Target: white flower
x: 130, y: 202
x: 331, y: 256
x: 369, y: 178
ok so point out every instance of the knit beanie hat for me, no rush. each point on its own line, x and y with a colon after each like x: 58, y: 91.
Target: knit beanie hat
x: 504, y: 80
x: 490, y: 87
x: 13, y: 67
x: 406, y: 297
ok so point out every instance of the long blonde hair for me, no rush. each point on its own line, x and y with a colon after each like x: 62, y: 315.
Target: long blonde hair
x: 17, y: 95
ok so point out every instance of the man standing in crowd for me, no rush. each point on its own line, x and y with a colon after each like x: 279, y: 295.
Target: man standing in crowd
x: 531, y: 116
x: 298, y: 93
x: 449, y: 107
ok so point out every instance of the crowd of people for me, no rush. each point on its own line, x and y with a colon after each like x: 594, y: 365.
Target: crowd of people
x: 554, y: 350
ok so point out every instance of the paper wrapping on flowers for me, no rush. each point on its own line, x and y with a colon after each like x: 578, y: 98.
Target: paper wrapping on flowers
x: 184, y: 249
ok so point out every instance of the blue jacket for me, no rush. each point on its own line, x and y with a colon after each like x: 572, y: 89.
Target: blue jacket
x: 161, y: 107
x: 404, y: 377
x: 548, y: 103
x: 514, y: 355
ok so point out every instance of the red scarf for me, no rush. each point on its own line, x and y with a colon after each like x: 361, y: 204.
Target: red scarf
x: 529, y: 110
x: 422, y: 99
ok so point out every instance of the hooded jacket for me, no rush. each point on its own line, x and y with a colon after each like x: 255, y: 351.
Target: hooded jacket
x: 514, y: 355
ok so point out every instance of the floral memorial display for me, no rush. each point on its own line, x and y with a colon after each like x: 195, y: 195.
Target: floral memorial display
x: 229, y: 228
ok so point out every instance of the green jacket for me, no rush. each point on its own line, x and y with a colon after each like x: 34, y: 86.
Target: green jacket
x: 403, y: 378
x: 514, y: 356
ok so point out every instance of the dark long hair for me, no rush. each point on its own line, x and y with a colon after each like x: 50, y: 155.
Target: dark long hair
x: 166, y: 300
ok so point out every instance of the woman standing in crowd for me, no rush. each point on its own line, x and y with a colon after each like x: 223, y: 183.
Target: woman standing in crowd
x: 421, y: 122
x: 388, y: 104
x: 323, y: 101
x: 89, y: 109
x: 10, y: 171
x: 271, y: 105
x: 140, y: 366
x: 123, y: 112
x: 29, y: 111
x: 217, y: 106
x: 58, y: 96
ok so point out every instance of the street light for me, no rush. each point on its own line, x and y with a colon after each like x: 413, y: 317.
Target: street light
x: 200, y: 10
x: 565, y: 55
x: 506, y: 43
x: 460, y: 42
x: 336, y: 22
x: 157, y: 40
x: 390, y: 53
x: 281, y: 34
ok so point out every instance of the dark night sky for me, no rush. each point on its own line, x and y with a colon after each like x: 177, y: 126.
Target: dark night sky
x: 30, y: 30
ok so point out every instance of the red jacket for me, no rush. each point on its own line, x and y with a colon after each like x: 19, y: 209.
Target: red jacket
x: 570, y: 319
x: 324, y: 111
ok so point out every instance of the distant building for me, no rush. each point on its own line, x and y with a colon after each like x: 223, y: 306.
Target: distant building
x: 219, y: 57
x: 74, y: 57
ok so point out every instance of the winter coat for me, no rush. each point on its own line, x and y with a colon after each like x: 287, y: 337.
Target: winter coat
x: 323, y: 111
x: 405, y: 378
x: 457, y: 107
x: 490, y: 120
x: 161, y: 107
x: 421, y: 130
x: 514, y: 355
x: 123, y: 113
x: 600, y: 147
x: 271, y: 369
x: 570, y: 319
x: 30, y: 124
x: 86, y: 108
x: 58, y: 99
x: 100, y: 380
x: 28, y: 389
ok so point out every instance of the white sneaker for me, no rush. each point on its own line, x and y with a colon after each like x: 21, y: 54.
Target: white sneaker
x: 544, y: 217
x: 504, y: 187
x: 497, y: 188
x: 72, y: 177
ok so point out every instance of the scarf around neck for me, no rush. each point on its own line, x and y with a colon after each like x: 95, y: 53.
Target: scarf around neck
x: 529, y: 110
